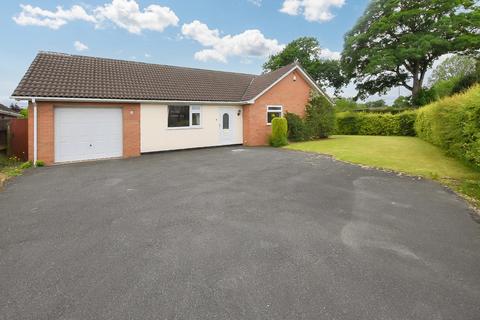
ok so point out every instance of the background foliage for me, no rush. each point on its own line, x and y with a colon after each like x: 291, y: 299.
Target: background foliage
x: 380, y: 124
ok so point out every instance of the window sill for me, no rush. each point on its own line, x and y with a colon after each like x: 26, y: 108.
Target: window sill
x: 184, y: 128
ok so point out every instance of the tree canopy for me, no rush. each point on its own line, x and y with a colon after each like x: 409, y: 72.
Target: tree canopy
x: 395, y: 42
x: 306, y: 50
x: 453, y: 67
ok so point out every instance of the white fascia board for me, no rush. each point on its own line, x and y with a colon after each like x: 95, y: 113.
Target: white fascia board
x: 312, y: 82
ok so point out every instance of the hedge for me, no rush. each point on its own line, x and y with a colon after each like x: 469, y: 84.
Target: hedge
x: 453, y: 124
x: 378, y: 124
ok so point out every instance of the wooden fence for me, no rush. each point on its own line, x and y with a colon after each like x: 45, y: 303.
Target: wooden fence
x: 14, y: 138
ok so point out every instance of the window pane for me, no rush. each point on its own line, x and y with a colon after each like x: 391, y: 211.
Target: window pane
x: 195, y: 119
x: 226, y: 121
x: 274, y: 108
x: 272, y: 115
x: 178, y: 116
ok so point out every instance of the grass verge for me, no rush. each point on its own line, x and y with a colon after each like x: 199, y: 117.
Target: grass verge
x: 409, y: 155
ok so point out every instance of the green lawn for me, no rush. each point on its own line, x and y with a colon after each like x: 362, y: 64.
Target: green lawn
x: 403, y: 154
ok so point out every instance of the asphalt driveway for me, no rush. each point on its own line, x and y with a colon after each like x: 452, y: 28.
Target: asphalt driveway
x: 234, y: 233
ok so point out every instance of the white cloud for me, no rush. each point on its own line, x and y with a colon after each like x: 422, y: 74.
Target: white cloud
x: 80, y: 46
x: 331, y: 55
x: 312, y: 10
x: 250, y: 43
x: 200, y: 32
x: 148, y: 55
x: 257, y: 3
x: 35, y: 16
x: 126, y: 14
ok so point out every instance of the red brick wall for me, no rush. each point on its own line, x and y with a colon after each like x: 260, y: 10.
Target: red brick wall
x: 46, y: 130
x: 131, y: 130
x: 292, y: 95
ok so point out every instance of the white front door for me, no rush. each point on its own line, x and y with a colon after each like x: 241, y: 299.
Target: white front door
x: 227, y: 126
x: 88, y: 133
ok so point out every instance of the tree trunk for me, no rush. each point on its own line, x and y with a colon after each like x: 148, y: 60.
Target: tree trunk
x: 417, y: 86
x: 418, y: 77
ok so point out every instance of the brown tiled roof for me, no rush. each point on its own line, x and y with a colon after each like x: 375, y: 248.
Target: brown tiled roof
x: 6, y: 110
x: 262, y: 82
x: 60, y: 75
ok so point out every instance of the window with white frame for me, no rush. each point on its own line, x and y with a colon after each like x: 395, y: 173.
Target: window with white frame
x: 183, y: 116
x: 195, y: 116
x: 273, y: 112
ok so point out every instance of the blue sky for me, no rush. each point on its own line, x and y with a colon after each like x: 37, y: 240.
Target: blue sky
x: 213, y: 34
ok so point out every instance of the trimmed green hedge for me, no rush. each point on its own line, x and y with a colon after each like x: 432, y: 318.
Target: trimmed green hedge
x: 453, y: 124
x: 376, y: 124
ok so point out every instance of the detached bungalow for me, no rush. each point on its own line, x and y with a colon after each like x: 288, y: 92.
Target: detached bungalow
x: 84, y: 108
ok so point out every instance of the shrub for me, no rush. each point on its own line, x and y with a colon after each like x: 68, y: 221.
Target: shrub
x: 453, y: 124
x: 424, y: 97
x: 279, y: 132
x: 378, y: 124
x: 347, y: 123
x: 24, y: 113
x: 297, y: 129
x: 466, y: 82
x: 26, y: 165
x: 319, y: 117
x: 39, y: 163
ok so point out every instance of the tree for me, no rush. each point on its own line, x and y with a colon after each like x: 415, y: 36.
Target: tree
x: 306, y: 50
x: 401, y: 102
x: 344, y: 104
x: 395, y: 42
x: 376, y: 104
x: 319, y: 116
x: 453, y: 67
x: 14, y: 106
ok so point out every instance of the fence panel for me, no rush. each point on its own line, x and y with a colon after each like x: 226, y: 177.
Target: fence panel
x: 4, y: 123
x: 18, y: 138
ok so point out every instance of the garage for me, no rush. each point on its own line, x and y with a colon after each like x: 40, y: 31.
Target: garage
x: 83, y: 133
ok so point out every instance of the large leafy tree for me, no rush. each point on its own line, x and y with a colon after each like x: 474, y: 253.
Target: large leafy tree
x: 306, y: 50
x: 395, y: 42
x: 452, y: 67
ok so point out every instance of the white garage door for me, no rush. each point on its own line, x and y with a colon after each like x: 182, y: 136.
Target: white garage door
x: 88, y: 133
